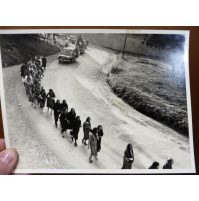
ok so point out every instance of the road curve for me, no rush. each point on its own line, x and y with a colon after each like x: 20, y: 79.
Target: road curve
x: 83, y: 85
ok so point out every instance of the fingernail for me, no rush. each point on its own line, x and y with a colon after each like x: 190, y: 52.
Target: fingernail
x: 6, y: 157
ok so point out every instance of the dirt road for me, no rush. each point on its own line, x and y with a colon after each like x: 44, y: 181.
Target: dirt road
x: 83, y: 84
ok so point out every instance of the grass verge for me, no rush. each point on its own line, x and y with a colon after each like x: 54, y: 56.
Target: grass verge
x: 149, y: 87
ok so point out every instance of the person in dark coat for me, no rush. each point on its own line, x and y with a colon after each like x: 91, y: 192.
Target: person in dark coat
x: 23, y: 68
x: 42, y: 101
x: 72, y: 116
x: 100, y: 135
x: 44, y: 61
x: 128, y: 157
x: 50, y: 99
x: 64, y: 104
x: 57, y: 110
x: 64, y: 119
x: 76, y: 126
x: 168, y: 164
x: 86, y: 129
x: 155, y: 165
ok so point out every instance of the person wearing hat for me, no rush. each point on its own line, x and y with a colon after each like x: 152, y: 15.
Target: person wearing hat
x: 64, y: 120
x: 168, y: 164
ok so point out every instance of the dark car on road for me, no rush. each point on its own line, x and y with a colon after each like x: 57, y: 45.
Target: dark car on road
x: 72, y: 39
x: 68, y: 54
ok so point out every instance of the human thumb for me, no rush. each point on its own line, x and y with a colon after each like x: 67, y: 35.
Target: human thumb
x: 8, y: 160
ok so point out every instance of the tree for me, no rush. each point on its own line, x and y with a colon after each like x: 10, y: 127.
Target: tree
x: 166, y: 41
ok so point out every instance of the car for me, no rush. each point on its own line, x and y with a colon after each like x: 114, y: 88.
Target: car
x: 72, y: 39
x: 68, y: 54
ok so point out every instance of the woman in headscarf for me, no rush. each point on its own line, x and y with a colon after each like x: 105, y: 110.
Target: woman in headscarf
x: 57, y: 111
x: 155, y: 165
x: 128, y: 157
x: 50, y: 99
x: 100, y: 134
x: 64, y: 119
x: 43, y: 97
x: 71, y: 116
x: 76, y: 127
x: 93, y: 143
x: 86, y: 129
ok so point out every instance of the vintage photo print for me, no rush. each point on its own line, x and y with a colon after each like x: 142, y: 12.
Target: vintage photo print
x: 97, y: 101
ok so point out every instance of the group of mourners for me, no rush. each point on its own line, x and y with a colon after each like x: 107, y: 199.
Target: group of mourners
x: 128, y: 160
x: 32, y: 73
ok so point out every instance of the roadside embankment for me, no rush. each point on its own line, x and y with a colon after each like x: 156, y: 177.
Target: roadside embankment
x: 16, y: 49
x: 149, y: 87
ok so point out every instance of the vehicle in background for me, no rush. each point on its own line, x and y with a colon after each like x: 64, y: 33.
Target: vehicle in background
x: 68, y: 54
x: 66, y: 41
x: 85, y: 43
x: 72, y: 39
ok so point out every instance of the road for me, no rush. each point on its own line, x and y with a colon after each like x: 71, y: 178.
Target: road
x: 83, y: 84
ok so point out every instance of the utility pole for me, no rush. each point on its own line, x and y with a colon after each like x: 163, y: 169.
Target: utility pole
x: 124, y: 47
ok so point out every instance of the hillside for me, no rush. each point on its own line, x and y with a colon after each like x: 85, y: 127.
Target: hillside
x: 16, y: 49
x: 149, y: 87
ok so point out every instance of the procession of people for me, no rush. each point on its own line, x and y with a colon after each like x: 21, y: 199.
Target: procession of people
x: 32, y: 73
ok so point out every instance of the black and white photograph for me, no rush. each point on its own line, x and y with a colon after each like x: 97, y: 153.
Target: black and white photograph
x: 112, y: 101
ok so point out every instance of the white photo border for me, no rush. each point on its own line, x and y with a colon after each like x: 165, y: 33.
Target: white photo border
x: 106, y: 171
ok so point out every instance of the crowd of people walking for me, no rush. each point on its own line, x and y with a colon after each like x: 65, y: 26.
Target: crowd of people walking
x: 32, y: 73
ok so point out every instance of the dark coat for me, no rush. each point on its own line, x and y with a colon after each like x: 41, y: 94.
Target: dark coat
x: 44, y: 61
x: 71, y: 119
x: 43, y: 97
x: 167, y: 166
x: 100, y: 134
x: 23, y: 68
x: 64, y: 118
x: 126, y: 163
x: 50, y: 99
x: 76, y: 127
x: 57, y: 110
x: 64, y: 105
